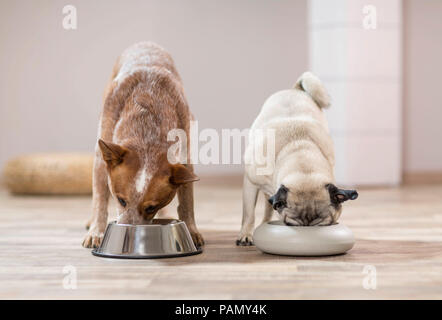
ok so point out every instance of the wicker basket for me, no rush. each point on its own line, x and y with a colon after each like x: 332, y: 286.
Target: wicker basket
x: 50, y: 173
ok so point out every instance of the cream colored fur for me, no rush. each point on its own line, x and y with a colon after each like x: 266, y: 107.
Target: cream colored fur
x: 304, y: 158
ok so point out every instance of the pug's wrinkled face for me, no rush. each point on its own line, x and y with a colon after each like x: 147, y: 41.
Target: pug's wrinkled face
x: 316, y: 207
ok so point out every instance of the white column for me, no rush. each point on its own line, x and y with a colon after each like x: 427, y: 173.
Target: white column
x: 361, y: 68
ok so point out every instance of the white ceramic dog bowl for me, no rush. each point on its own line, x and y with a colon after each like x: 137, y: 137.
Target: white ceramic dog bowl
x: 275, y: 237
x: 163, y: 238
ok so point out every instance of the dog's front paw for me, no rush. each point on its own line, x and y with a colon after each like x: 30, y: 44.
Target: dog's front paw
x: 197, y: 238
x: 93, y: 238
x: 293, y: 221
x: 246, y: 240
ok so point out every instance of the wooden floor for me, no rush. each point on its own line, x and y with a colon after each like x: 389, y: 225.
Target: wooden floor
x: 398, y: 235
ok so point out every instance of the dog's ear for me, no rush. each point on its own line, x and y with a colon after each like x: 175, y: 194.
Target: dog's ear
x: 112, y: 153
x: 338, y: 196
x: 181, y: 175
x: 279, y: 199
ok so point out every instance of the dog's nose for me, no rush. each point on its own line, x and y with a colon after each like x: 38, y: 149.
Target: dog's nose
x: 354, y: 195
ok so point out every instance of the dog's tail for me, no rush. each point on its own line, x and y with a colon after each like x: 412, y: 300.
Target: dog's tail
x: 311, y: 84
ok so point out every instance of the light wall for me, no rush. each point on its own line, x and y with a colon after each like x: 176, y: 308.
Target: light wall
x: 422, y: 86
x: 361, y: 66
x: 231, y: 55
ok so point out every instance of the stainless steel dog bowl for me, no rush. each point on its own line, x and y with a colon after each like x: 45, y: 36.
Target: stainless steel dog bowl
x: 278, y: 238
x: 163, y: 238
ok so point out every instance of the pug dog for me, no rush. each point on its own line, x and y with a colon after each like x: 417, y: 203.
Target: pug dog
x: 300, y: 185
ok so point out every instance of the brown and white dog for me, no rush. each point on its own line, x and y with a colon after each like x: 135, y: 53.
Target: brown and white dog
x: 144, y: 100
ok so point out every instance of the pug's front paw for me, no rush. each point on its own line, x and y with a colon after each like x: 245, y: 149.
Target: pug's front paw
x: 246, y: 240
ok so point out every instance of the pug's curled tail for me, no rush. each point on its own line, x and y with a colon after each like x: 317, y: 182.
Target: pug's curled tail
x: 311, y: 84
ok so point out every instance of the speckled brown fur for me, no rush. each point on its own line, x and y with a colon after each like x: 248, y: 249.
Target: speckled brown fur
x: 143, y: 101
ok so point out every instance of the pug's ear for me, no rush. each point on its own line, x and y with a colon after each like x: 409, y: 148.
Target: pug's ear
x: 113, y: 154
x: 279, y: 199
x: 338, y: 196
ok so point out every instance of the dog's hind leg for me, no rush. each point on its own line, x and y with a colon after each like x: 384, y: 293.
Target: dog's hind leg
x: 249, y: 196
